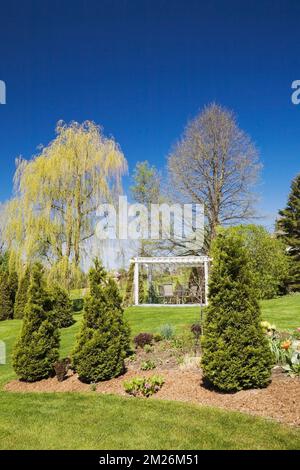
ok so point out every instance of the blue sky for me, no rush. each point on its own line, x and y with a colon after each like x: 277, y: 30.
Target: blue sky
x: 142, y: 68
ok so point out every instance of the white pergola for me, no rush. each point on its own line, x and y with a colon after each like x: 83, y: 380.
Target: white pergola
x: 190, y: 261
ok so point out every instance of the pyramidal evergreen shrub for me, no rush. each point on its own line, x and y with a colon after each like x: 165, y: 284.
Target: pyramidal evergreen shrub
x: 103, y: 340
x: 13, y: 285
x: 236, y: 354
x: 36, y: 350
x: 6, y: 305
x: 22, y: 294
x: 62, y: 307
x: 128, y: 298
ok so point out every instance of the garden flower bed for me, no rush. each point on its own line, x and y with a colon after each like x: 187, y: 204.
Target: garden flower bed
x: 280, y: 400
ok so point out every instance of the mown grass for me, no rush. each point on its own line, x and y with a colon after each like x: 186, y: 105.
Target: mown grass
x: 90, y: 421
x: 284, y: 312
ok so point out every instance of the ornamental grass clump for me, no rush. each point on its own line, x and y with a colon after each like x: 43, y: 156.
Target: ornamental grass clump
x: 103, y: 340
x: 236, y: 353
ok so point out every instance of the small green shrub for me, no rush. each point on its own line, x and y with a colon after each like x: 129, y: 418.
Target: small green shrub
x: 183, y: 342
x: 77, y: 305
x: 148, y: 365
x: 142, y: 339
x: 152, y: 297
x: 148, y: 348
x: 167, y: 331
x: 132, y: 357
x: 157, y: 337
x: 145, y: 387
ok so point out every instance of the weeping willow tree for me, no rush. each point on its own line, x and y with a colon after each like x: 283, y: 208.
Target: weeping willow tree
x: 58, y: 191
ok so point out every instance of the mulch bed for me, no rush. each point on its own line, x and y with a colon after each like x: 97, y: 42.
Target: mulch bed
x: 280, y: 400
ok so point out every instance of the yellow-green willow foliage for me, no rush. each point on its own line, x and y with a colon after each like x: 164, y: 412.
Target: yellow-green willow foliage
x: 58, y: 191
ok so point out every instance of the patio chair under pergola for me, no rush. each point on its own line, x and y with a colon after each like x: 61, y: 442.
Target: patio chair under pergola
x: 183, y: 261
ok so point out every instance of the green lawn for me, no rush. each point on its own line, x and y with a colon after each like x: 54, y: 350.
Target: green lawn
x: 90, y: 421
x: 29, y: 421
x: 284, y: 312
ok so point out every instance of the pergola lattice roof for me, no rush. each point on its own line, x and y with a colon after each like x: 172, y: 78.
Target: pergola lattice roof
x: 182, y: 260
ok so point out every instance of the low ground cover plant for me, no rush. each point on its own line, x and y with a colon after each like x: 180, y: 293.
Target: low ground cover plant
x: 148, y: 365
x: 145, y: 387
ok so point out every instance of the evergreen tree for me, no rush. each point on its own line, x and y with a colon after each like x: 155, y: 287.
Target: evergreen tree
x: 289, y: 230
x: 36, y: 350
x: 128, y: 298
x: 141, y: 289
x: 6, y: 306
x: 13, y: 285
x: 236, y: 354
x: 104, y: 336
x: 4, y: 260
x: 62, y: 307
x: 22, y: 294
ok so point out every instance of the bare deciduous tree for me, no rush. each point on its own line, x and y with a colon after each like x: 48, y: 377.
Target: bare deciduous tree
x: 216, y: 164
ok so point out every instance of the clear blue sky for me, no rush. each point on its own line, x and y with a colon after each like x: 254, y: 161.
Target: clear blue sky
x: 142, y: 68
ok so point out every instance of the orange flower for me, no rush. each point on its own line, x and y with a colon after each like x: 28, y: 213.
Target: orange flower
x: 286, y: 344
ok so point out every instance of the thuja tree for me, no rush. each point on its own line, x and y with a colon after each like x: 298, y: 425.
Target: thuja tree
x: 13, y: 284
x: 236, y: 354
x: 104, y: 336
x: 62, y: 307
x: 129, y: 286
x: 289, y: 230
x: 6, y: 305
x: 8, y: 287
x: 128, y: 298
x: 22, y: 294
x: 37, y: 347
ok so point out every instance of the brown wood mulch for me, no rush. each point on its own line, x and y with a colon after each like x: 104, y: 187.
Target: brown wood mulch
x: 280, y: 400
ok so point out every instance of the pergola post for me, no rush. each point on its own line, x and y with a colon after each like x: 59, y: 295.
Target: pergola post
x: 136, y: 283
x: 206, y: 281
